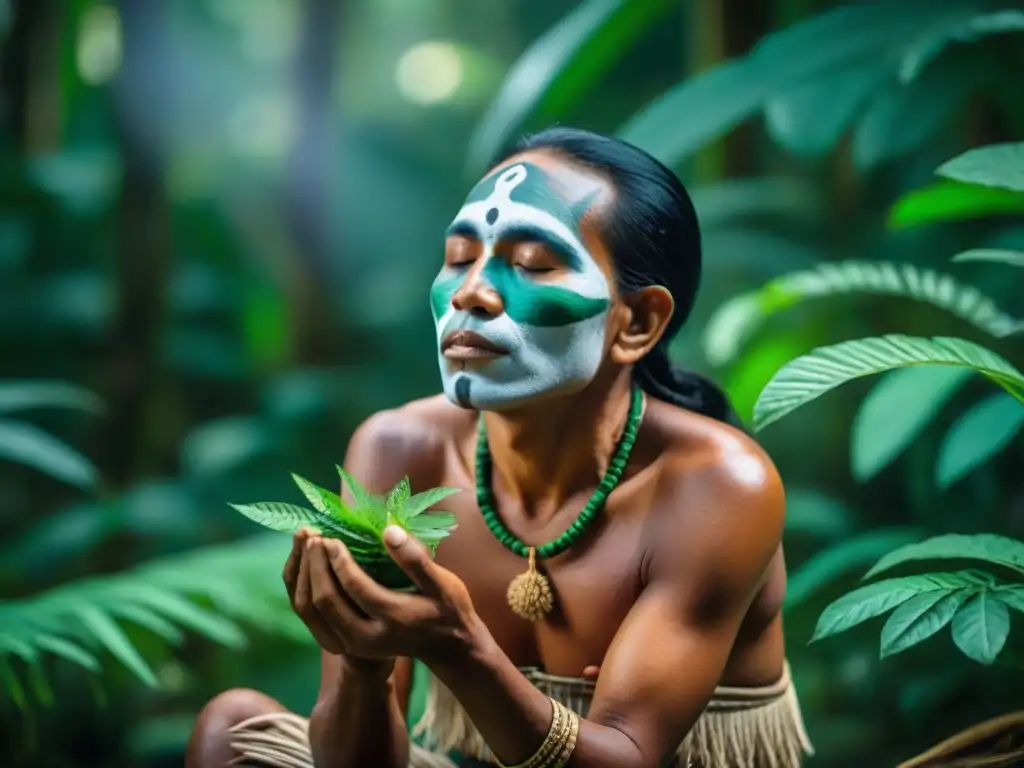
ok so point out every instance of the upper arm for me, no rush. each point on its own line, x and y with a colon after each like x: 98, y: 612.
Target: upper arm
x: 711, y: 558
x: 390, y: 445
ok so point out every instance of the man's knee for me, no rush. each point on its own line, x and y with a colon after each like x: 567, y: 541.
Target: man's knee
x: 210, y: 743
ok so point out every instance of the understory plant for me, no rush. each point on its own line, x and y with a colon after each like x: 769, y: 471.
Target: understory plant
x: 209, y: 591
x: 922, y: 375
x: 360, y: 525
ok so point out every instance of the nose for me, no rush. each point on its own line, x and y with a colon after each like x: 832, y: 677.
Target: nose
x: 477, y: 296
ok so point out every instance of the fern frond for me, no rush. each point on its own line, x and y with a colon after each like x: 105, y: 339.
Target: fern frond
x: 736, y: 321
x: 825, y: 368
x: 208, y: 591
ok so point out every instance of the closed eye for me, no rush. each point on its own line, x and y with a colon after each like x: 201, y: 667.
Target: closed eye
x: 534, y: 270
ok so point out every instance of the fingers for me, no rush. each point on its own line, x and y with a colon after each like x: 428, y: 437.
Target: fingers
x: 290, y: 574
x: 328, y: 598
x: 413, y: 558
x: 373, y: 599
x: 591, y: 672
x: 307, y: 611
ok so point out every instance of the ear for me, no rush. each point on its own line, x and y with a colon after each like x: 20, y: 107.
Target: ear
x: 645, y: 315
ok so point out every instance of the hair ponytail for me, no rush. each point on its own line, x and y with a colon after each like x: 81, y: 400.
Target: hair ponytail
x: 657, y: 377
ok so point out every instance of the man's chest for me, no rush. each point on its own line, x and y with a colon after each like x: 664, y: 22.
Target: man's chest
x: 595, y: 583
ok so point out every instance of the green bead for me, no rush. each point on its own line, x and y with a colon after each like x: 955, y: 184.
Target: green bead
x: 616, y: 467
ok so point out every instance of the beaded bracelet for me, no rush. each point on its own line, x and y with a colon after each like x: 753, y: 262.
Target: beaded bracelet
x: 559, y: 743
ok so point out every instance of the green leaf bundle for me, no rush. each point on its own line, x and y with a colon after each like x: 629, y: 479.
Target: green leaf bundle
x: 360, y: 525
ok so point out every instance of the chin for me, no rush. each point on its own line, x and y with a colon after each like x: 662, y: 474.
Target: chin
x: 505, y: 397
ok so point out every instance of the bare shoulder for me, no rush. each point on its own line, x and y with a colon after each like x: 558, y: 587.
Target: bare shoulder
x: 719, y: 491
x: 411, y: 439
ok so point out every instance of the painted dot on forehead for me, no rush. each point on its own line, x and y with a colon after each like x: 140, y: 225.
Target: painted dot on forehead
x: 492, y: 216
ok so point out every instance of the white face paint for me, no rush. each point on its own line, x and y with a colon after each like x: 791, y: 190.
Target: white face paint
x: 553, y: 328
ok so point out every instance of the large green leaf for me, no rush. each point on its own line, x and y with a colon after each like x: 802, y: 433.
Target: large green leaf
x: 995, y: 255
x: 112, y: 637
x: 707, y: 105
x: 988, y: 547
x: 997, y: 165
x: 981, y: 627
x: 1012, y: 595
x: 977, y: 436
x: 28, y: 445
x: 796, y: 120
x: 810, y: 376
x: 953, y: 201
x: 843, y: 558
x: 896, y: 411
x: 814, y: 513
x: 30, y: 395
x: 905, y: 115
x: 560, y: 67
x: 875, y: 599
x: 919, y: 618
x: 736, y: 321
x: 974, y: 27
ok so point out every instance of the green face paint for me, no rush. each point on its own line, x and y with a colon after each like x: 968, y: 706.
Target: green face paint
x: 552, y: 325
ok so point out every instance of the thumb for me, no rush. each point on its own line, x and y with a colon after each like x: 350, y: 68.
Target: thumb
x: 412, y: 557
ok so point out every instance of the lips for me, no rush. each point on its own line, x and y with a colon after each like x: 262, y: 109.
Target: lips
x: 465, y: 345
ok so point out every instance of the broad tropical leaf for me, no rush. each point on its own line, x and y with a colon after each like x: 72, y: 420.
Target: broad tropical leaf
x: 796, y: 120
x: 953, y: 201
x: 27, y: 444
x: 739, y: 318
x: 988, y: 547
x: 978, y: 435
x: 976, y: 26
x: 997, y: 165
x: 705, y: 106
x: 1012, y: 595
x: 813, y: 513
x: 875, y: 599
x: 30, y: 395
x: 823, y: 369
x: 904, y: 115
x: 74, y: 620
x: 559, y: 68
x: 981, y: 627
x: 1012, y: 258
x: 919, y: 618
x: 849, y: 555
x: 896, y: 411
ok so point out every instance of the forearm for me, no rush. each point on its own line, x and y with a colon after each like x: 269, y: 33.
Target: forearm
x: 514, y: 717
x: 359, y: 724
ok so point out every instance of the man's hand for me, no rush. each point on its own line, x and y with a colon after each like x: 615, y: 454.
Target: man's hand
x: 351, y: 615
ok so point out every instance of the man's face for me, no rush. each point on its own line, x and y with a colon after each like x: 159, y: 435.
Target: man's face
x: 521, y: 303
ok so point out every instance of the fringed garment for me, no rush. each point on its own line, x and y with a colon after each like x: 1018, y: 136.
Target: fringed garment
x: 740, y: 728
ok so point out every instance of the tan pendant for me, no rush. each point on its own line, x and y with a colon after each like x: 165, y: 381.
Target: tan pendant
x: 529, y: 594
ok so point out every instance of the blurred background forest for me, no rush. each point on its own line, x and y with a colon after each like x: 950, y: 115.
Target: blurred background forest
x: 220, y: 219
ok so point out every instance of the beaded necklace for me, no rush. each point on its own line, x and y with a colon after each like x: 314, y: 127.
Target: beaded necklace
x: 529, y: 594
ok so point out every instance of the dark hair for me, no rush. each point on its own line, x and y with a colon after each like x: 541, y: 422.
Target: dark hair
x: 654, y: 238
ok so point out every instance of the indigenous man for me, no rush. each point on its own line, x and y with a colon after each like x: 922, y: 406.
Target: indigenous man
x: 639, y: 531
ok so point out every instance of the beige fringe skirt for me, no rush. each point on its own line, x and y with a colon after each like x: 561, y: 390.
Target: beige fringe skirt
x: 740, y: 728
